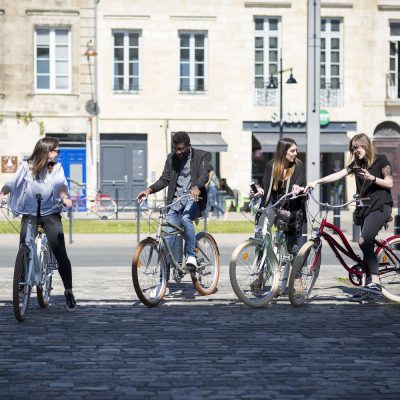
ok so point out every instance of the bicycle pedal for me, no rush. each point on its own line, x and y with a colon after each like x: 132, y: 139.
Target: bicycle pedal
x: 288, y: 257
x: 53, y: 266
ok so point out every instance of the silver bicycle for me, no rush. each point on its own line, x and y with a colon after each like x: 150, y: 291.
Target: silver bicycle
x: 34, y: 266
x: 149, y: 265
x: 260, y: 266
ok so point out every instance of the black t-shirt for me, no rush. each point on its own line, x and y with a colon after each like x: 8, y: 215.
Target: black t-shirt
x: 379, y: 196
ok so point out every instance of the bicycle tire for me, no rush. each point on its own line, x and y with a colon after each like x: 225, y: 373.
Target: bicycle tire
x: 149, y: 272
x: 21, y: 293
x: 389, y: 272
x: 246, y: 281
x: 306, y: 259
x: 205, y: 280
x: 44, y: 290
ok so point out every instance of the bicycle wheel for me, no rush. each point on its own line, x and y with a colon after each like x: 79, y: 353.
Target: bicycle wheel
x: 205, y: 279
x: 44, y: 289
x: 253, y: 281
x: 105, y: 207
x: 389, y: 271
x: 304, y: 273
x: 21, y: 288
x: 149, y: 272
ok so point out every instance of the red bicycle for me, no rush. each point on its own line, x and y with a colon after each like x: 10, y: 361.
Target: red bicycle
x: 308, y: 261
x: 102, y: 204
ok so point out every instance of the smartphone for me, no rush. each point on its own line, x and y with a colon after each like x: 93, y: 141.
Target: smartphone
x: 253, y: 187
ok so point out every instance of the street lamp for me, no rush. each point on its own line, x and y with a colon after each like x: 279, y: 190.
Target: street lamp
x: 272, y: 85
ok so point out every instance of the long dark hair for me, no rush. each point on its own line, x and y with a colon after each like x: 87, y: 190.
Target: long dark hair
x: 282, y: 148
x: 39, y: 158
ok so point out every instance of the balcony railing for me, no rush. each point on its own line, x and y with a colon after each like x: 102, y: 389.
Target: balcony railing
x: 330, y: 97
x: 266, y: 97
x: 392, y: 92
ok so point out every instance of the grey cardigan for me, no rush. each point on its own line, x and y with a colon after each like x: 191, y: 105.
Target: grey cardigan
x: 24, y: 187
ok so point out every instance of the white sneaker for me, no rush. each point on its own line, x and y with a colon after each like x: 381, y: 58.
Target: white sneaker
x: 191, y: 262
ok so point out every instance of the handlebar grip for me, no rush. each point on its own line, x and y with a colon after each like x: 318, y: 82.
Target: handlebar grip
x: 366, y: 199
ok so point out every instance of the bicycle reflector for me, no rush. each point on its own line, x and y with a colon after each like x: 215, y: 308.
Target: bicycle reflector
x: 138, y: 264
x: 245, y: 256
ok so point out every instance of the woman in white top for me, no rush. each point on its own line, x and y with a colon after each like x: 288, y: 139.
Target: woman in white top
x: 42, y: 174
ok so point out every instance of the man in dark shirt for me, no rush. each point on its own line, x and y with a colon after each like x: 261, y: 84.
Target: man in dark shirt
x: 185, y: 171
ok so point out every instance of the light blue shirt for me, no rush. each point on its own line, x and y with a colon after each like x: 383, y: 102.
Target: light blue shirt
x: 24, y: 187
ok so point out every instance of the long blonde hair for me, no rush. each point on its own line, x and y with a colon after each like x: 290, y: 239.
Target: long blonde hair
x: 282, y: 148
x: 361, y: 139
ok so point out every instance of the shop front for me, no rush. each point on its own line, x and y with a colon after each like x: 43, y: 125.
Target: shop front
x: 333, y: 146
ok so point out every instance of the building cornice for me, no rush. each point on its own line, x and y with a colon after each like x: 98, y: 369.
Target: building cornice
x: 268, y: 4
x: 337, y: 4
x: 193, y: 17
x: 53, y: 13
x: 132, y: 17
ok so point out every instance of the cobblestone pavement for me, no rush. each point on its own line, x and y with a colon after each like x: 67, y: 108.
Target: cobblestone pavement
x: 194, y: 347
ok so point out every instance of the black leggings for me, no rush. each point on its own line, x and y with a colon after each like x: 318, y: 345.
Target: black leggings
x: 372, y: 224
x: 53, y: 228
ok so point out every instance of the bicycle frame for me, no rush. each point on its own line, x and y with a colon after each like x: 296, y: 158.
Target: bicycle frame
x: 34, y: 244
x: 345, y: 248
x: 162, y: 240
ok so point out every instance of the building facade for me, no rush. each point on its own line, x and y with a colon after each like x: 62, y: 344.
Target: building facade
x: 210, y: 68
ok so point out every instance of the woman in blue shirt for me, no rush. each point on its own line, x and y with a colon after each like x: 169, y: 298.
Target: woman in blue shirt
x: 41, y: 173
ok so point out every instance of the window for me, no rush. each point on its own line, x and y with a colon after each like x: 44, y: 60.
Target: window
x: 52, y: 60
x: 393, y: 77
x: 192, y: 76
x: 126, y: 61
x: 266, y: 60
x: 331, y: 62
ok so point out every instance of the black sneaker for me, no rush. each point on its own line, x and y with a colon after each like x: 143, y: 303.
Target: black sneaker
x: 70, y: 302
x: 373, y: 288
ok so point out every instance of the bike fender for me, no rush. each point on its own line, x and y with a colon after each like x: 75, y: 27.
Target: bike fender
x: 378, y: 249
x: 201, y: 234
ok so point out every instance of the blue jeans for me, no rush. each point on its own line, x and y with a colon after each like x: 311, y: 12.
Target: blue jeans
x: 184, y: 218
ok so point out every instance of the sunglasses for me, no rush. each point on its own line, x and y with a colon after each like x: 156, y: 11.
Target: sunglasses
x: 56, y: 150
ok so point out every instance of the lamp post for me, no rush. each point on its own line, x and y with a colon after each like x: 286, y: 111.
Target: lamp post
x: 272, y: 85
x: 93, y: 109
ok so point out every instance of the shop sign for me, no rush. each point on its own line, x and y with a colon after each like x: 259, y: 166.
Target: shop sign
x: 324, y: 117
x: 290, y: 118
x: 9, y: 164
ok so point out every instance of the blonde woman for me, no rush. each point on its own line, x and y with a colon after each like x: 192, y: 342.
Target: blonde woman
x: 374, y: 180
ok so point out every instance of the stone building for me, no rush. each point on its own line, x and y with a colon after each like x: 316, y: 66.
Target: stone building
x: 208, y: 67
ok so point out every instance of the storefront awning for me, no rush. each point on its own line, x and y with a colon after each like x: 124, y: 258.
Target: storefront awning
x: 212, y: 142
x: 329, y: 142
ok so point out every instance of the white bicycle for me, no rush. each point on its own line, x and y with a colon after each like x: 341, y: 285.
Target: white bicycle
x: 34, y: 266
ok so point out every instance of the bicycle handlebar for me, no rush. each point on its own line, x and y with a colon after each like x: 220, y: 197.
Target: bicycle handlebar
x: 290, y: 196
x: 356, y: 199
x: 145, y: 204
